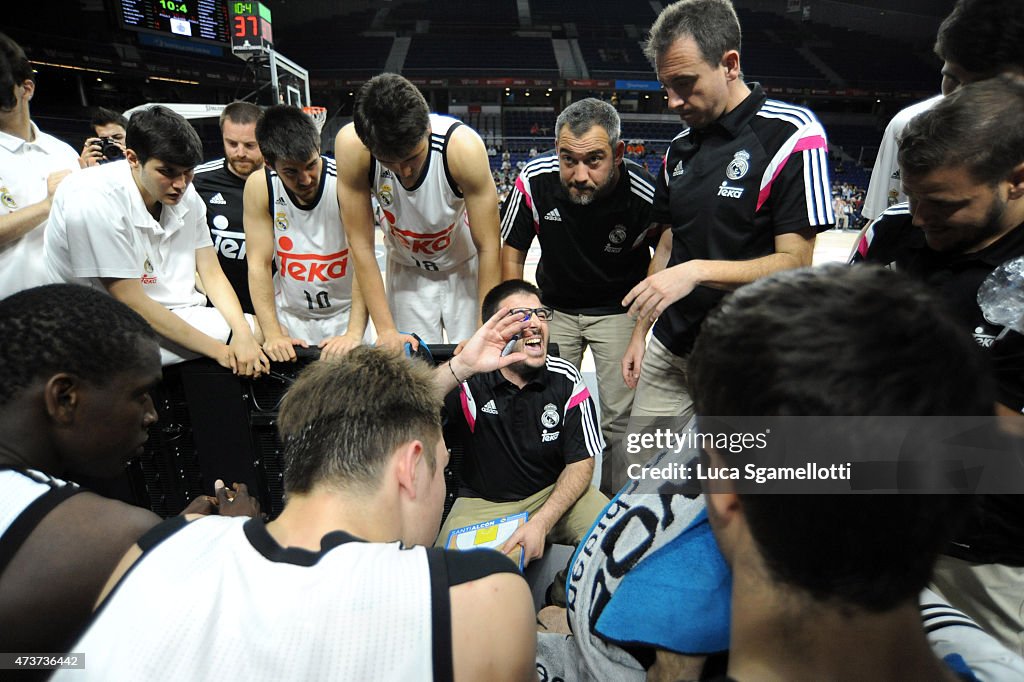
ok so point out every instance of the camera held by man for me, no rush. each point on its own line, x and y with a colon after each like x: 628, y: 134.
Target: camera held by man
x: 107, y: 141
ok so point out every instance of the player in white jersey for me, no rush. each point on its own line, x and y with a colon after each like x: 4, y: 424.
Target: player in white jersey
x: 292, y: 214
x: 336, y: 587
x: 431, y: 176
x: 77, y: 369
x: 32, y: 164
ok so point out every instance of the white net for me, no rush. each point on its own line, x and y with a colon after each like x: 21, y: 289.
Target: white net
x: 318, y: 114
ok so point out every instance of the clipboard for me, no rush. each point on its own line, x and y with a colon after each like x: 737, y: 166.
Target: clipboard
x: 491, y: 534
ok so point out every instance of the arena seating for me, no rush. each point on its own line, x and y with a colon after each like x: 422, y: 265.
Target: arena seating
x: 593, y: 13
x: 446, y: 55
x: 445, y: 15
x: 614, y: 57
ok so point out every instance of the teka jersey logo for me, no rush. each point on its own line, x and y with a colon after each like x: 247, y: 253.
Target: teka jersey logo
x: 418, y: 243
x: 553, y: 215
x: 732, y: 192
x: 982, y: 339
x: 228, y: 244
x: 310, y: 267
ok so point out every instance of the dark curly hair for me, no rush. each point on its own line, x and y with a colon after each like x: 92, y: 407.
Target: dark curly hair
x: 66, y: 328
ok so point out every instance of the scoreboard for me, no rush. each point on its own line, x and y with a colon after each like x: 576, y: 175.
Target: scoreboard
x: 204, y: 20
x: 250, y: 26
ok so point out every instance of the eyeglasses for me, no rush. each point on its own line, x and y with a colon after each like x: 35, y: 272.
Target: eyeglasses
x: 544, y: 313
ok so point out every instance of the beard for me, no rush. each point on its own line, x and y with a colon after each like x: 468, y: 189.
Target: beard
x: 966, y: 240
x: 587, y: 193
x: 243, y: 167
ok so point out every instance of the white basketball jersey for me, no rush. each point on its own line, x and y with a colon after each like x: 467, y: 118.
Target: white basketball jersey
x: 20, y: 490
x: 426, y: 226
x: 220, y: 594
x: 314, y: 276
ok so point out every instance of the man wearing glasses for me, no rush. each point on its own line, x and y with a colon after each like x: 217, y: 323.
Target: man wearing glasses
x: 531, y: 433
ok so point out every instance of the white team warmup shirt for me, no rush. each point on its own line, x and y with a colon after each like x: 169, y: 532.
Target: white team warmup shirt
x: 314, y: 275
x: 100, y: 227
x: 24, y: 167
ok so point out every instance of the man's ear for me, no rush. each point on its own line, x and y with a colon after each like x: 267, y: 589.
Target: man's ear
x: 132, y: 157
x: 407, y: 459
x: 61, y: 395
x: 731, y: 62
x: 620, y: 149
x: 30, y: 88
x: 720, y: 492
x: 726, y: 504
x: 1016, y: 180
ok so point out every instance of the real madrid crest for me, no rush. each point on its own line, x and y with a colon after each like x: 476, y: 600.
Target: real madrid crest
x: 618, y: 235
x: 281, y: 221
x: 739, y: 165
x: 6, y: 198
x: 147, y: 266
x: 549, y: 417
x: 385, y: 195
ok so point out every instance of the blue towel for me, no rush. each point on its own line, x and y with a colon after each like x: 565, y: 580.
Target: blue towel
x: 676, y: 599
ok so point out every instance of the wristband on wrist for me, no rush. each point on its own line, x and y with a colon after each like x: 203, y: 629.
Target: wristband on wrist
x: 452, y: 370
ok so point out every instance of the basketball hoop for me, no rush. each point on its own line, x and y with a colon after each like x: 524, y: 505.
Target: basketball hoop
x: 318, y: 114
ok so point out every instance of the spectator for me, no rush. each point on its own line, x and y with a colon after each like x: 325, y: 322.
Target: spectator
x: 839, y: 206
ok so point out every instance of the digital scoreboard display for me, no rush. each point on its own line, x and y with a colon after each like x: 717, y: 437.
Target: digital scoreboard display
x: 205, y: 20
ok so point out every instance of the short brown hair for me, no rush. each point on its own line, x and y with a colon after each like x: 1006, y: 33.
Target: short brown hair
x: 343, y: 418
